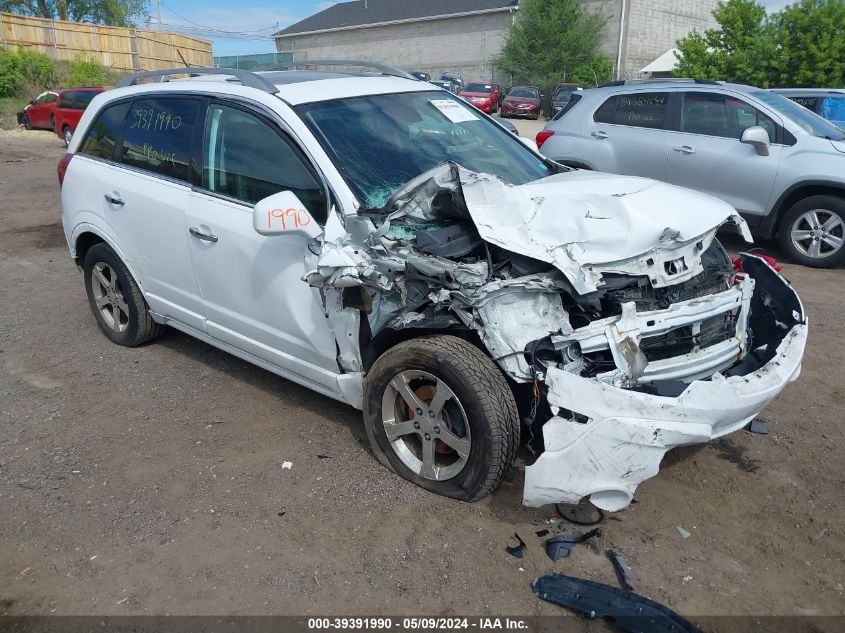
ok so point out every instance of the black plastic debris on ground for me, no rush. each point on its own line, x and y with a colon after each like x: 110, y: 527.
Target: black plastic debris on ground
x: 625, y: 610
x: 758, y: 426
x: 619, y: 565
x: 518, y: 550
x: 560, y: 546
x: 584, y: 513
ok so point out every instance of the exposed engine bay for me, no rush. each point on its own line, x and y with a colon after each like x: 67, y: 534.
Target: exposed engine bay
x: 625, y: 317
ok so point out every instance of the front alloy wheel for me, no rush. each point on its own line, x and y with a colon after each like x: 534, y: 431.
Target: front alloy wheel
x: 817, y: 233
x: 813, y: 231
x: 426, y: 425
x: 67, y: 134
x: 439, y: 412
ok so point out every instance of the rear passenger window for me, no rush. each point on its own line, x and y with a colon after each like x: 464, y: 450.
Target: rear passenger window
x: 102, y: 136
x: 83, y: 98
x: 573, y: 99
x: 157, y: 135
x: 643, y: 109
x: 247, y: 159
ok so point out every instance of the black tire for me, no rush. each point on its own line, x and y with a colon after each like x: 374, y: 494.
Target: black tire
x: 829, y: 206
x: 27, y: 124
x: 139, y: 327
x: 67, y: 133
x: 53, y: 123
x: 479, y: 387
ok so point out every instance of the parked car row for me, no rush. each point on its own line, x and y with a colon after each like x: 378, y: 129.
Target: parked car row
x: 58, y: 110
x: 779, y: 164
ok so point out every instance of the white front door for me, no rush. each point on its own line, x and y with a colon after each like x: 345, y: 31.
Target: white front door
x: 252, y: 290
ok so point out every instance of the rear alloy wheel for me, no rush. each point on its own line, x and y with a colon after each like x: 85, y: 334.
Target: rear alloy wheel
x: 27, y: 124
x: 116, y: 300
x: 67, y: 134
x: 813, y: 232
x: 439, y: 413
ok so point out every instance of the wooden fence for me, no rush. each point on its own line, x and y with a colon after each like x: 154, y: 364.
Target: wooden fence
x: 115, y: 47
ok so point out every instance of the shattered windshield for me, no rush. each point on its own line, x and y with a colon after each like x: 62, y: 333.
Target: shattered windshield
x: 379, y: 143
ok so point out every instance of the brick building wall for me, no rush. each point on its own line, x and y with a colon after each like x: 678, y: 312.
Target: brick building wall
x: 460, y: 44
x: 467, y: 44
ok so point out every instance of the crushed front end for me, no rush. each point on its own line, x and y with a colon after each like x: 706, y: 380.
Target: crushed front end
x: 648, y: 380
x: 608, y: 298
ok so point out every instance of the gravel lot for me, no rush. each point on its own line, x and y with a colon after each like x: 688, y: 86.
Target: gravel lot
x: 148, y: 481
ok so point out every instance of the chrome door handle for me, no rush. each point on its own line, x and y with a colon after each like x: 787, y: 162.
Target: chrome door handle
x: 599, y: 135
x: 684, y: 149
x: 199, y: 233
x: 115, y: 201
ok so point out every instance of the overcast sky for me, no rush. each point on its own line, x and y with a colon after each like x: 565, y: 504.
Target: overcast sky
x: 242, y: 27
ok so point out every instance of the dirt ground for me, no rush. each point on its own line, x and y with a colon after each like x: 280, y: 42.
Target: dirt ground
x: 148, y: 480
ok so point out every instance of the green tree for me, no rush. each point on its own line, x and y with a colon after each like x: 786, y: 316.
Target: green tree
x: 810, y: 36
x: 597, y: 71
x: 24, y: 69
x: 110, y: 12
x: 549, y: 41
x: 742, y: 48
x: 802, y: 45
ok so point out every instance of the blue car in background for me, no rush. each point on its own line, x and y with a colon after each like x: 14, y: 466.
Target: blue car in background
x: 828, y: 103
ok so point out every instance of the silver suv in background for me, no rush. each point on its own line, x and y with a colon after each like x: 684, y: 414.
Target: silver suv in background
x: 780, y: 165
x: 826, y: 102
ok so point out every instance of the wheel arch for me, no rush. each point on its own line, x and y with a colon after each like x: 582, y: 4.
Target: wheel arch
x: 86, y: 235
x: 770, y: 226
x: 389, y: 337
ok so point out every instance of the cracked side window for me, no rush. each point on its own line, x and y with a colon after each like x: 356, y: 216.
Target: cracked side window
x: 379, y: 143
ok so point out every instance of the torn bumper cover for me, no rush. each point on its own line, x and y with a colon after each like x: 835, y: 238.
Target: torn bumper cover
x: 619, y: 435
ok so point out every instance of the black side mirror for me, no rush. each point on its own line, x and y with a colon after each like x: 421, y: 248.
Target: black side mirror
x: 32, y: 102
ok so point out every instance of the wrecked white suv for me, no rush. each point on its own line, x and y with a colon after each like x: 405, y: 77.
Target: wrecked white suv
x: 385, y: 244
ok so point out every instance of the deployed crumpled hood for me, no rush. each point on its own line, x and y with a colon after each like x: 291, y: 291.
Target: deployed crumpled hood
x: 588, y: 223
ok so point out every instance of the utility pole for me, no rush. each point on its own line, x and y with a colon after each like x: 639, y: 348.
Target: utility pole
x: 158, y: 13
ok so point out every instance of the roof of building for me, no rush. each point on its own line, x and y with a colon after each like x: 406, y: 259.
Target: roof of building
x: 363, y: 13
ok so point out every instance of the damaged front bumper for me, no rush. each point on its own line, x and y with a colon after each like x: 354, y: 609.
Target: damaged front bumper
x: 604, y: 440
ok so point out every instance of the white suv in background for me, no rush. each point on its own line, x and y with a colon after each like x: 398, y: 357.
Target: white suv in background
x: 383, y: 243
x: 780, y: 165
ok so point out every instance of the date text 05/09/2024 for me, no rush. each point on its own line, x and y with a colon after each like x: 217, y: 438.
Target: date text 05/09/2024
x: 417, y: 623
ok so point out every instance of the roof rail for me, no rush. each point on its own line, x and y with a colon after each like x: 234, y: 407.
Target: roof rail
x: 246, y: 78
x: 384, y: 69
x: 635, y: 82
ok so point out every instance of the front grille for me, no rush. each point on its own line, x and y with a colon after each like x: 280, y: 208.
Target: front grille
x: 681, y: 340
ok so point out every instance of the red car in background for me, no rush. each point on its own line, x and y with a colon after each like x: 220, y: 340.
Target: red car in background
x: 69, y: 109
x: 39, y: 112
x: 483, y: 95
x: 522, y: 101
